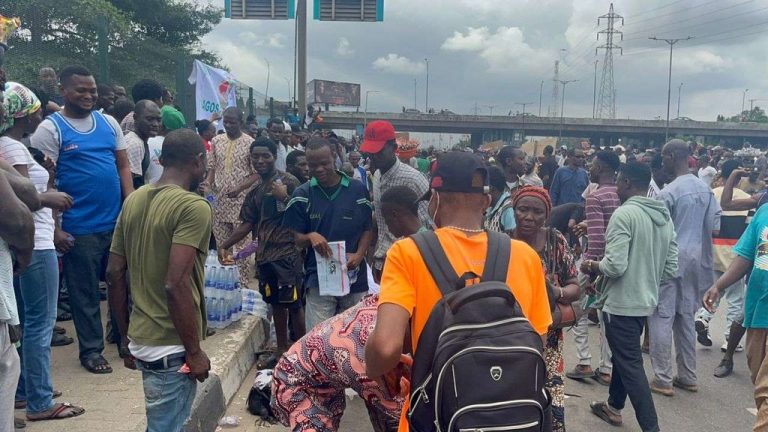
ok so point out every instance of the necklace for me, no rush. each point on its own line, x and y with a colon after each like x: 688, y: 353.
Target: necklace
x: 468, y: 230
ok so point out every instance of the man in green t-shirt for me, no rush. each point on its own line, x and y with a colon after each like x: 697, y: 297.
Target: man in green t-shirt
x: 161, y: 238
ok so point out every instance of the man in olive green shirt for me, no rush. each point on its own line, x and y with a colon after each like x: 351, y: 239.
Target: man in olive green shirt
x: 161, y: 238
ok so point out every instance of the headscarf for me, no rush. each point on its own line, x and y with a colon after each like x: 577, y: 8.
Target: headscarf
x: 18, y: 102
x: 534, y: 192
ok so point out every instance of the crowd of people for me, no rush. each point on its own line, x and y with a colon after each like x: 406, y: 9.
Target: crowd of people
x: 122, y: 194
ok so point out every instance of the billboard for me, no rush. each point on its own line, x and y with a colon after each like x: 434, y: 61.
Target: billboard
x: 333, y: 93
x: 349, y: 10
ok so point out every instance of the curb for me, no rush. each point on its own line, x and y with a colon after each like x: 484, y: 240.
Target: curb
x: 231, y: 352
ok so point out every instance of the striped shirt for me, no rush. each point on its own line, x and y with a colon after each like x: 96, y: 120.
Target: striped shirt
x: 600, y: 206
x: 399, y: 174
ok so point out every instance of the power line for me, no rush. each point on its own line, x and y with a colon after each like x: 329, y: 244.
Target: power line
x: 656, y: 17
x: 657, y: 8
x: 667, y: 25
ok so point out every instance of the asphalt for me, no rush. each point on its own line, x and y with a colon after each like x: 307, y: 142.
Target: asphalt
x: 722, y: 404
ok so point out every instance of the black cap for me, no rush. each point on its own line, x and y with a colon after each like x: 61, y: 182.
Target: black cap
x: 457, y: 171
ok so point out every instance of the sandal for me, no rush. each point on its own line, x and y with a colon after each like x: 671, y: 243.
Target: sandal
x: 59, y: 330
x: 64, y: 316
x: 19, y: 423
x: 97, y: 365
x: 58, y: 412
x: 60, y: 340
x: 22, y: 404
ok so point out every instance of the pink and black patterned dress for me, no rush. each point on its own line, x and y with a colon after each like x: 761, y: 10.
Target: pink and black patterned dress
x: 309, y: 380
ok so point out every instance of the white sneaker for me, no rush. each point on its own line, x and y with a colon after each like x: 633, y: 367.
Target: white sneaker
x: 724, y: 347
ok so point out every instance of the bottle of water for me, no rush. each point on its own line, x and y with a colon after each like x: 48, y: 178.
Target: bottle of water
x: 210, y: 307
x: 221, y: 311
x: 238, y: 301
x: 232, y: 278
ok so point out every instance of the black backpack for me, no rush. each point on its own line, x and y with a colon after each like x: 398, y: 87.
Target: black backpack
x: 479, y: 363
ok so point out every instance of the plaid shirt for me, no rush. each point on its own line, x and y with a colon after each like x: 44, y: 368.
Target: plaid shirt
x: 399, y: 175
x: 135, y: 151
x: 600, y: 206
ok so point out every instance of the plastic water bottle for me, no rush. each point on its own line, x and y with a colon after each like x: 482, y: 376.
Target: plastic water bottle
x: 231, y: 279
x: 210, y: 307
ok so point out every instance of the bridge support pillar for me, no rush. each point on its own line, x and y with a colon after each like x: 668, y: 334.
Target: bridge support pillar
x: 476, y: 139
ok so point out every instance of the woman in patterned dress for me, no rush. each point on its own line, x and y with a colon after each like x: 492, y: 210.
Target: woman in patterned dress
x: 532, y: 207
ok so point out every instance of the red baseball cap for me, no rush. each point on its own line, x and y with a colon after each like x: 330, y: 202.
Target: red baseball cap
x: 377, y: 133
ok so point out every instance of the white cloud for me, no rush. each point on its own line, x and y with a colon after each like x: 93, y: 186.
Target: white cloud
x: 503, y: 50
x: 397, y: 64
x: 699, y: 61
x: 344, y: 48
x: 271, y: 40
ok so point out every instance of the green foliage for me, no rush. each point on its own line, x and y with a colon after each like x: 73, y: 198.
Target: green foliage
x: 757, y: 115
x: 146, y: 38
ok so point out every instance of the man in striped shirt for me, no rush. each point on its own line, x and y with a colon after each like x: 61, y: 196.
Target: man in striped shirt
x: 601, y: 204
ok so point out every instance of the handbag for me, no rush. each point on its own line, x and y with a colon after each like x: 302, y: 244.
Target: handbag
x: 563, y: 315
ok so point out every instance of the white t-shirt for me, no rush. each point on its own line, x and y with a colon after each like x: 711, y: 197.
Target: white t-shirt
x: 46, y: 137
x: 148, y: 353
x: 15, y: 153
x: 155, y: 170
x: 707, y: 175
x: 282, y: 154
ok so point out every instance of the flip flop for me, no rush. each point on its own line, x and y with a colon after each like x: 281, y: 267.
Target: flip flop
x: 58, y: 412
x: 64, y: 316
x: 59, y: 330
x: 22, y: 404
x: 97, y: 365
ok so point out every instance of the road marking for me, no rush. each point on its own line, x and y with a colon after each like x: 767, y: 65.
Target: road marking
x: 752, y: 411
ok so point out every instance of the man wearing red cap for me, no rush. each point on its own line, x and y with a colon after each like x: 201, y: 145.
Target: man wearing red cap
x: 389, y: 171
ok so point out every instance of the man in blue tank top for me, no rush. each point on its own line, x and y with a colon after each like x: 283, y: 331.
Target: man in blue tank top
x: 91, y: 166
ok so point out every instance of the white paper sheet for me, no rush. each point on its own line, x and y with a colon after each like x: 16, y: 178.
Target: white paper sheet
x: 332, y: 272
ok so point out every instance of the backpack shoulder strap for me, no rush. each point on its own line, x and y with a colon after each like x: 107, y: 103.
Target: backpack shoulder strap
x: 437, y: 262
x: 497, y: 257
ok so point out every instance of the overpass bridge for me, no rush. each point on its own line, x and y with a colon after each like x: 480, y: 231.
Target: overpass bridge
x: 512, y: 128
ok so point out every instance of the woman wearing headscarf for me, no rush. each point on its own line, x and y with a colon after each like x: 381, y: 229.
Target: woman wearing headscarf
x: 38, y: 286
x: 532, y: 207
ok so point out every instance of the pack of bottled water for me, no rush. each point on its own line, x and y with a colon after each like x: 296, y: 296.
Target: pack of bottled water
x: 223, y: 294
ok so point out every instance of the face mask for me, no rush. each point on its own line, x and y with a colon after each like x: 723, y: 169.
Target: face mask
x: 435, y: 195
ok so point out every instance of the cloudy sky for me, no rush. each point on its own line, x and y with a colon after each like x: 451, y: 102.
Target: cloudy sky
x: 497, y: 53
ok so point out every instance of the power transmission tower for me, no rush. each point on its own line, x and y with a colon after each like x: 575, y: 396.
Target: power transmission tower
x: 555, y: 91
x: 606, y: 101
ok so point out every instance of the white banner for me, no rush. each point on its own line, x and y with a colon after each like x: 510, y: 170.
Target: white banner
x: 214, y: 90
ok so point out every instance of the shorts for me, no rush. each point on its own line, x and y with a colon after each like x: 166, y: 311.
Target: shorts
x: 280, y: 282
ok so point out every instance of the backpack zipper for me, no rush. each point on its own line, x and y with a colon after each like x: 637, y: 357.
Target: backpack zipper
x: 479, y: 326
x: 464, y: 351
x: 501, y: 428
x: 492, y: 406
x: 421, y: 393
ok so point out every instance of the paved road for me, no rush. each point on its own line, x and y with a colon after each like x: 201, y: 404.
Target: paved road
x: 720, y: 405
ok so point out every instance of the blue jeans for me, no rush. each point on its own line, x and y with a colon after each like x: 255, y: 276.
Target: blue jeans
x: 168, y: 396
x: 82, y: 269
x: 38, y: 290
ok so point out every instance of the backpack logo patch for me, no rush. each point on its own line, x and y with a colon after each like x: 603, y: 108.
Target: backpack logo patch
x: 496, y: 372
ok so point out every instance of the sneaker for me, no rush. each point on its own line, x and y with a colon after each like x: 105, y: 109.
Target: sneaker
x: 724, y: 369
x: 724, y: 347
x: 702, y: 333
x: 693, y: 388
x: 602, y: 410
x: 581, y: 372
x: 657, y: 388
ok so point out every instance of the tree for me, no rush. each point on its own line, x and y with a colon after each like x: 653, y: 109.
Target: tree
x: 145, y: 38
x: 757, y: 115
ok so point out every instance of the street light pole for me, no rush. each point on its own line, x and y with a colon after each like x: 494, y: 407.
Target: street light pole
x: 679, y: 90
x: 671, y: 43
x: 594, y: 93
x: 266, y: 92
x: 365, y: 115
x: 522, y: 134
x: 562, y: 109
x: 541, y: 93
x: 426, y: 101
x: 290, y: 100
x: 743, y: 98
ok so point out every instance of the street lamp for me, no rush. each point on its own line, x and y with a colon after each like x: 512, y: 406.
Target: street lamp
x: 266, y: 91
x: 290, y: 100
x: 671, y: 43
x: 743, y: 99
x: 365, y: 116
x: 562, y: 109
x: 522, y: 135
x: 679, y: 90
x: 426, y: 101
